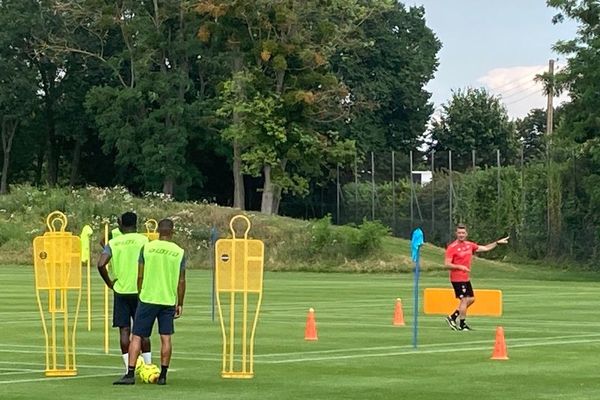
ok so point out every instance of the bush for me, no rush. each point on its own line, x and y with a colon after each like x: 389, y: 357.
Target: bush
x: 346, y: 242
x: 370, y: 236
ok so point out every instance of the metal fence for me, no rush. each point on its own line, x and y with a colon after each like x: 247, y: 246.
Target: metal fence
x: 434, y: 191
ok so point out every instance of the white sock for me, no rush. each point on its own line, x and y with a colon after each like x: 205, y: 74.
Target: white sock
x: 147, y: 357
x: 126, y: 361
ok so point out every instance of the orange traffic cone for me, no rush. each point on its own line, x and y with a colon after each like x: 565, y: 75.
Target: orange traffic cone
x: 500, y: 346
x: 310, y: 333
x: 398, y: 314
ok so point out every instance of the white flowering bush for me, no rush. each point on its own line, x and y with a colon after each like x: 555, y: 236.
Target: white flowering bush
x: 289, y: 244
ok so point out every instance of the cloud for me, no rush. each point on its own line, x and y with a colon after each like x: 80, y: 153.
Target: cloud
x: 518, y: 89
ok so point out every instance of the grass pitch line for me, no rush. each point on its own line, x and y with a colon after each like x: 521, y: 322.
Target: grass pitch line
x: 54, y: 379
x: 18, y: 371
x: 41, y: 364
x: 547, y: 338
x: 432, y: 351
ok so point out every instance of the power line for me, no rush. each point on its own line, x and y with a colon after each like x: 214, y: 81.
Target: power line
x: 519, y: 89
x: 523, y: 98
x: 518, y: 81
x: 520, y: 92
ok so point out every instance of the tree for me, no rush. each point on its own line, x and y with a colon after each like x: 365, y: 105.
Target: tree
x: 577, y: 132
x: 386, y: 67
x: 531, y: 130
x: 287, y: 46
x: 581, y: 76
x: 18, y: 86
x: 473, y: 120
x: 146, y: 116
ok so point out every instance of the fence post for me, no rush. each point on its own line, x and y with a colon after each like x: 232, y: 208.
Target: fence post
x: 412, y: 193
x: 372, y: 186
x: 451, y: 189
x: 337, y: 195
x: 498, y: 165
x: 393, y: 193
x: 432, y: 192
x: 356, y: 187
x: 523, y: 193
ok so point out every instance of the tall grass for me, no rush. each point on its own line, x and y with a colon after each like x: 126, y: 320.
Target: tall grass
x: 290, y: 244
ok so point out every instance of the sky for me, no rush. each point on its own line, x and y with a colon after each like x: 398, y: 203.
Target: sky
x: 497, y: 44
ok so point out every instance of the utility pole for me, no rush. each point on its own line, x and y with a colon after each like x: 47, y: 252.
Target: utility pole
x: 554, y: 190
x: 550, y: 108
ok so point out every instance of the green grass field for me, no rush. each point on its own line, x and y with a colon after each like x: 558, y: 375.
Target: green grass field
x: 552, y: 332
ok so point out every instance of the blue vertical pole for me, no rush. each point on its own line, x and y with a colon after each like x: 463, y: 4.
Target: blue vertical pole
x: 416, y: 242
x: 213, y: 239
x: 416, y: 299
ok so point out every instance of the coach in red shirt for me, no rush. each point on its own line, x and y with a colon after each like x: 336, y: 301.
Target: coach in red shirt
x: 458, y: 259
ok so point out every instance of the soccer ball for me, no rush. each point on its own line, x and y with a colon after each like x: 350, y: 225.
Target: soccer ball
x: 149, y: 373
x: 139, y: 365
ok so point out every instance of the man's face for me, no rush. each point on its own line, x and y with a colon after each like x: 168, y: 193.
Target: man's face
x: 461, y: 234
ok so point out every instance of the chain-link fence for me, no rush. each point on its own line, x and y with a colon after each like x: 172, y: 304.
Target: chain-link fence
x: 495, y: 195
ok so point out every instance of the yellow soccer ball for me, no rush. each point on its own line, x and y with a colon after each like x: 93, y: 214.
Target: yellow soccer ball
x: 139, y: 365
x: 149, y: 373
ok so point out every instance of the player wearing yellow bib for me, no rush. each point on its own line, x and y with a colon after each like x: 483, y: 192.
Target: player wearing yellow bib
x: 161, y: 280
x: 123, y: 251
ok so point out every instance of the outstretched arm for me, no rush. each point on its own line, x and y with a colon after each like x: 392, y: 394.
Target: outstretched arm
x: 492, y: 246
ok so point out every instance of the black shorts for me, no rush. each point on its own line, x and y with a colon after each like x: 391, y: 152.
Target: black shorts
x: 463, y: 289
x: 124, y: 307
x: 147, y: 313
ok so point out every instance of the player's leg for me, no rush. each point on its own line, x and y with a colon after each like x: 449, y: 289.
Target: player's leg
x: 146, y: 349
x: 466, y: 301
x: 142, y: 328
x: 166, y: 349
x: 451, y: 319
x: 470, y: 302
x: 166, y: 328
x: 122, y: 320
x: 124, y: 339
x: 134, y: 348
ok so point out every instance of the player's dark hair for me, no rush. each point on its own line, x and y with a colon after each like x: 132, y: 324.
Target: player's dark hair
x: 461, y: 226
x: 129, y: 220
x: 165, y: 225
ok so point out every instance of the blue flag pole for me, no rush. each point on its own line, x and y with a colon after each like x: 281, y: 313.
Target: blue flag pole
x: 416, y: 243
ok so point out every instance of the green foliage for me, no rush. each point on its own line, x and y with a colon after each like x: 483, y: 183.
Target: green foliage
x: 18, y: 86
x: 474, y: 120
x: 531, y: 130
x: 370, y: 236
x: 357, y: 198
x: 282, y: 93
x: 386, y: 63
x: 127, y: 92
x: 574, y: 151
x: 346, y: 242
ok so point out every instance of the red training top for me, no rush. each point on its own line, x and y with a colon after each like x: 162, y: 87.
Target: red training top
x: 460, y: 253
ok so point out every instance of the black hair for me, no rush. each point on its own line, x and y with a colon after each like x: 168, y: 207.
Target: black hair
x: 165, y: 225
x: 129, y: 220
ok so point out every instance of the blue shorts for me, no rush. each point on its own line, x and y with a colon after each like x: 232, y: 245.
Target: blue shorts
x: 147, y: 313
x: 124, y: 308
